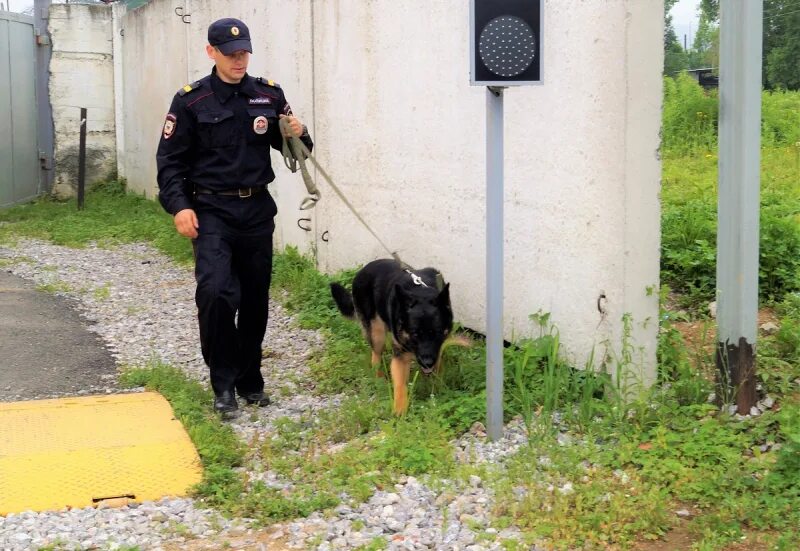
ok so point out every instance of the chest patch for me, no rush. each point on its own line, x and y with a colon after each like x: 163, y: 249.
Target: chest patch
x: 260, y: 101
x: 260, y: 125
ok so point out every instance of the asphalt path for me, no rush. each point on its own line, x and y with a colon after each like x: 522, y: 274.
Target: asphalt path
x: 45, y: 348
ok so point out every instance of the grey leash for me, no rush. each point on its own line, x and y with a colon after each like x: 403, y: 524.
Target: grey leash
x: 298, y: 154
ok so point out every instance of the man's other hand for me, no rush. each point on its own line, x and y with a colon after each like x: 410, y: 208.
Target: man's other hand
x: 186, y: 223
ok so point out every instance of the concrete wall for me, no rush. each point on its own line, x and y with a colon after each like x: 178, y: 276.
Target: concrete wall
x: 384, y: 88
x: 82, y: 75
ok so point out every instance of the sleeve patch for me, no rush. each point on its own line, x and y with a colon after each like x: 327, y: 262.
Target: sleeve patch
x: 287, y: 109
x: 169, y: 125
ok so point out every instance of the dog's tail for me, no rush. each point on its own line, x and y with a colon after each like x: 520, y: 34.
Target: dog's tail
x: 343, y: 300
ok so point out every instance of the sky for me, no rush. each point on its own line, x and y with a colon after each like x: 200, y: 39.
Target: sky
x: 17, y: 5
x: 684, y: 20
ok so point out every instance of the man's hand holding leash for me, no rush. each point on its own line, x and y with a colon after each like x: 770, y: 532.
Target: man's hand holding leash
x: 295, y: 127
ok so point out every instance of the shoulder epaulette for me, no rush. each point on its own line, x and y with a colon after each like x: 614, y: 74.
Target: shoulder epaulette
x: 268, y: 82
x: 189, y: 87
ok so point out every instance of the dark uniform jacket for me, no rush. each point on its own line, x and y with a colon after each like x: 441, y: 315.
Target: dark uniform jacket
x: 217, y: 137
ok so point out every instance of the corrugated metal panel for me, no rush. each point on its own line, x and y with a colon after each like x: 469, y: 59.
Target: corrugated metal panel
x: 19, y: 152
x: 6, y: 157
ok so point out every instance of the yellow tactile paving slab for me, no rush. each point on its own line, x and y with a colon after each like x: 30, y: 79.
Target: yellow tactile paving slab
x: 75, y: 452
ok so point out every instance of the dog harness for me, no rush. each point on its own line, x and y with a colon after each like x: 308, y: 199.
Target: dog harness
x: 415, y: 278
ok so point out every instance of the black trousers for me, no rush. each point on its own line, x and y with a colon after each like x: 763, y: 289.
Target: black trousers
x: 233, y: 269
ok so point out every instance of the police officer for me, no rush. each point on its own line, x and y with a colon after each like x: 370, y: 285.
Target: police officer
x: 213, y: 169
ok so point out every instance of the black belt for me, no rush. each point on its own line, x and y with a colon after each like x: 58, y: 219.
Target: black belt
x: 243, y: 192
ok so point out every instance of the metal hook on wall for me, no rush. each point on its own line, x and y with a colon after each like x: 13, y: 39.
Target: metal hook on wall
x: 180, y: 13
x: 301, y: 226
x: 325, y: 236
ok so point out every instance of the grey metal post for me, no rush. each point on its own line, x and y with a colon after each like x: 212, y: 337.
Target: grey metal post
x: 494, y: 262
x: 82, y: 160
x: 741, y: 26
x: 45, y: 130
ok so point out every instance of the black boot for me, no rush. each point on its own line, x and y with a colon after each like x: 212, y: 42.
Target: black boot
x: 225, y: 403
x: 258, y: 398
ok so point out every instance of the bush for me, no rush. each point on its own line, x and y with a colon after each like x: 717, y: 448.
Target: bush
x: 689, y: 253
x: 690, y: 117
x: 780, y: 118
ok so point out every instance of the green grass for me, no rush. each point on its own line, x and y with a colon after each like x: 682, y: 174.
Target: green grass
x: 110, y: 216
x: 54, y: 287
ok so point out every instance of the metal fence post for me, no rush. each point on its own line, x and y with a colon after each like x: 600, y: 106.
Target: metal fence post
x: 82, y: 160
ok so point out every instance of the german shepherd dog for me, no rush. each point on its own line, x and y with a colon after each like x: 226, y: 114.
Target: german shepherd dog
x: 411, y: 306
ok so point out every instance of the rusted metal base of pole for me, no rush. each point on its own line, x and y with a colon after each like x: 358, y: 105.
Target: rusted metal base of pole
x: 736, y: 366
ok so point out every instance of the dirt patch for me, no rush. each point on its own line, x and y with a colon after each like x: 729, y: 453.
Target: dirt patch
x: 682, y: 537
x: 700, y: 336
x: 679, y: 537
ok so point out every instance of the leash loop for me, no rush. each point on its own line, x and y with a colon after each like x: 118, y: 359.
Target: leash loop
x: 293, y: 155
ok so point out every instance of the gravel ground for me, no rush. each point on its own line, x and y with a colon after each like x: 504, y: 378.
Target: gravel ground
x: 142, y: 305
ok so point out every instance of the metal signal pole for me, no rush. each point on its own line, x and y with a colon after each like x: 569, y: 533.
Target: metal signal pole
x: 741, y: 27
x: 494, y: 262
x: 505, y: 50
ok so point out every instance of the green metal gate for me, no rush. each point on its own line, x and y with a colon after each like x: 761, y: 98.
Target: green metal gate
x: 19, y: 148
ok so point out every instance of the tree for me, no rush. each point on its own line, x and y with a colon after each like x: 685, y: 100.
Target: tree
x: 781, y: 50
x: 675, y: 58
x: 710, y: 10
x: 705, y: 50
x: 782, y: 44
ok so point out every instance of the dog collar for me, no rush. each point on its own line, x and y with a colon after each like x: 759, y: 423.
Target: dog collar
x: 415, y: 278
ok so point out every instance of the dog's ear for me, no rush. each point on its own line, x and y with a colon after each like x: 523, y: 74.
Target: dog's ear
x: 444, y: 295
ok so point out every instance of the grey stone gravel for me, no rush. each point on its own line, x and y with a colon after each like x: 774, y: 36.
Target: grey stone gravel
x: 142, y: 305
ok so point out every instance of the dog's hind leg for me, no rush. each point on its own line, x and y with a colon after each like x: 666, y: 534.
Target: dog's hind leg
x: 401, y: 366
x: 377, y: 339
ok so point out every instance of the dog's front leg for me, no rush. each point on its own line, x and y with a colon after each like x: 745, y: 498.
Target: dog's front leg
x: 401, y: 366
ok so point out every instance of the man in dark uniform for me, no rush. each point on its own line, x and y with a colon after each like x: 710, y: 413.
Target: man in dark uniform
x: 213, y: 170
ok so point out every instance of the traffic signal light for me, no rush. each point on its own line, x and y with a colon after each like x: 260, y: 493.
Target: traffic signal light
x: 505, y: 42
